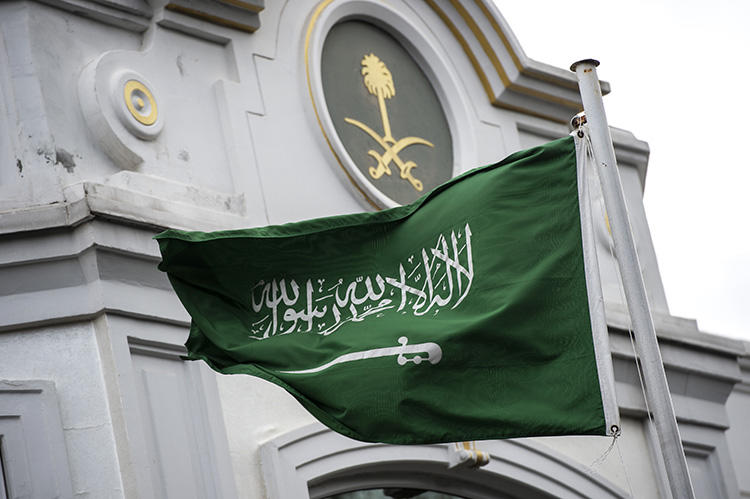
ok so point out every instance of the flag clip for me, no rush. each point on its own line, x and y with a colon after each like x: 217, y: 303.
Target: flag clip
x: 466, y: 455
x: 577, y: 122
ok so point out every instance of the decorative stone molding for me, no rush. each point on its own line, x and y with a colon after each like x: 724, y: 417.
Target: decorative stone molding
x: 119, y: 105
x: 316, y: 462
x: 136, y: 106
x: 131, y: 15
x: 134, y: 15
x: 241, y: 15
x: 159, y: 202
x: 35, y: 462
x: 509, y: 78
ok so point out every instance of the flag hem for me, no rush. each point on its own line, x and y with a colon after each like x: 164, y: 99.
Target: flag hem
x: 339, y: 427
x: 599, y: 331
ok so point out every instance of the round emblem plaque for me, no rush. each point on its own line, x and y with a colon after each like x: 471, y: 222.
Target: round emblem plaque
x: 385, y: 112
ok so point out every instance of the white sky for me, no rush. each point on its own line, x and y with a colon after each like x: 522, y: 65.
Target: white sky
x: 680, y: 78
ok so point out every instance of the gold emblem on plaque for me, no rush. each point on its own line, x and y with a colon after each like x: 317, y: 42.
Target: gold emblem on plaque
x: 379, y: 82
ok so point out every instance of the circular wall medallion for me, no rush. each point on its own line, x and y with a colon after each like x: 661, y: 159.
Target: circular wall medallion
x: 135, y: 102
x: 385, y: 111
x: 140, y: 102
x: 388, y: 102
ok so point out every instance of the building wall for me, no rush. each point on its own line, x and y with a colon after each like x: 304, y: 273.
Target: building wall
x: 91, y: 332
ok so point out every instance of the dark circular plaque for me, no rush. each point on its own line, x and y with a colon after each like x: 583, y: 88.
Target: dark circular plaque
x: 385, y: 111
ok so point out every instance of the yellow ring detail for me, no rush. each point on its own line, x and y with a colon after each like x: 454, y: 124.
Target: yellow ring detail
x: 132, y: 86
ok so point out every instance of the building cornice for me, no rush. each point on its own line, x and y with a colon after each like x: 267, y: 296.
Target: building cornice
x: 510, y: 79
x: 137, y: 15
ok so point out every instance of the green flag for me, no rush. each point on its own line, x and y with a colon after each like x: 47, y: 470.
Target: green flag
x: 463, y: 316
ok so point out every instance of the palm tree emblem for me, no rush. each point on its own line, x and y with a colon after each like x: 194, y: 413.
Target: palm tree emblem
x: 379, y: 82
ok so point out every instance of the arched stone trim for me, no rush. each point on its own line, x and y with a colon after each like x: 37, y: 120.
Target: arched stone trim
x: 315, y: 462
x: 510, y: 79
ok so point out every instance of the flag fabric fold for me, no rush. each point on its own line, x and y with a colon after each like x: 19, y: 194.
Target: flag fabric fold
x: 462, y: 316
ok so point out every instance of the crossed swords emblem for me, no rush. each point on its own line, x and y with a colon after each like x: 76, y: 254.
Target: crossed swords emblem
x: 379, y: 82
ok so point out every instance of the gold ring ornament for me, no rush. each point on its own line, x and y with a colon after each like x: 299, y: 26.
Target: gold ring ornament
x: 140, y: 102
x: 135, y: 102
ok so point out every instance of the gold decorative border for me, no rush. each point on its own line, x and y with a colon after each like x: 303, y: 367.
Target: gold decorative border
x: 500, y: 70
x: 516, y: 61
x: 188, y: 11
x: 130, y: 87
x: 466, y: 48
x: 244, y: 5
x: 310, y: 27
x: 474, y: 27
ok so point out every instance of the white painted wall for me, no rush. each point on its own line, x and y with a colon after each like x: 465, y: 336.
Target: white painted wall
x: 68, y: 356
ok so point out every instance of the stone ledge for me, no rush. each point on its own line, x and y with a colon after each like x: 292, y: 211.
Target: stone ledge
x: 677, y: 329
x: 130, y: 15
x: 133, y: 198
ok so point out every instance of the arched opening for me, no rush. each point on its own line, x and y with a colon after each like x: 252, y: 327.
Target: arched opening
x: 434, y: 480
x: 316, y: 462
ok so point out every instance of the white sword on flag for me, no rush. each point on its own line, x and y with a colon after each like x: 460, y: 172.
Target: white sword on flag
x: 433, y: 351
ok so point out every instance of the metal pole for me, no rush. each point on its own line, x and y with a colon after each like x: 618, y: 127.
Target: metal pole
x: 654, y: 378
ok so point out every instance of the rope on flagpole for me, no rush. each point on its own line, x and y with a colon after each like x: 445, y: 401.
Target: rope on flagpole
x: 620, y: 287
x: 622, y: 463
x: 580, y: 122
x: 654, y: 376
x: 615, y: 435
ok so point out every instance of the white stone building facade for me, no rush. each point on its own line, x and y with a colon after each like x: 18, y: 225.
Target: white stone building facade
x: 119, y: 118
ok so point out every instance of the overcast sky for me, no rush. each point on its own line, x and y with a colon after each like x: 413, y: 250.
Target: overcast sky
x: 680, y: 81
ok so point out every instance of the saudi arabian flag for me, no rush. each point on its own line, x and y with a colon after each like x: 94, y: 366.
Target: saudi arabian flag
x: 462, y: 316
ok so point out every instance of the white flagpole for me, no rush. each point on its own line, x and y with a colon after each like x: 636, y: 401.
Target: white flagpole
x: 654, y: 378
